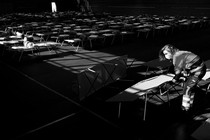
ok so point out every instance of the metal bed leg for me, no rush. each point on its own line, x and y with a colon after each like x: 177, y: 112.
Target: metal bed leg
x: 119, y: 111
x: 145, y: 107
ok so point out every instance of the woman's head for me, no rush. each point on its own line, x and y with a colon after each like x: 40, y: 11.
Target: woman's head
x: 167, y: 52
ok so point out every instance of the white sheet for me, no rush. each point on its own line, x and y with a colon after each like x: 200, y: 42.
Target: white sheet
x: 143, y: 86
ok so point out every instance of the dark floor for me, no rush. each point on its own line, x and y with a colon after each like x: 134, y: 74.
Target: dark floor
x: 33, y: 110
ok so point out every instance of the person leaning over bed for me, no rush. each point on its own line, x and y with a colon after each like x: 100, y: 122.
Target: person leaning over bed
x: 186, y: 64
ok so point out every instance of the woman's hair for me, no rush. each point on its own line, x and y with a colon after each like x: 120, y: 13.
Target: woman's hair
x: 170, y: 48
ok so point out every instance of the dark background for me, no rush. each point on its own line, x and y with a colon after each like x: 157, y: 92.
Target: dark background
x: 121, y: 7
x: 28, y: 105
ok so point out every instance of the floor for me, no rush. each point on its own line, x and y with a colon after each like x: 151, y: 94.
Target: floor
x: 36, y: 106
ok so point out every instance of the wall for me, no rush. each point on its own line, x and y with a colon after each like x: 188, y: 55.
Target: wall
x: 160, y: 7
x: 119, y: 7
x: 8, y: 6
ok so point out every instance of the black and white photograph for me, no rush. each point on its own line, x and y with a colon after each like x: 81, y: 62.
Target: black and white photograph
x: 105, y: 69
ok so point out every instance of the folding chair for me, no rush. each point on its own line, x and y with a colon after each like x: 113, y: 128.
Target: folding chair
x: 6, y: 44
x: 91, y: 38
x: 43, y: 36
x: 108, y: 35
x: 125, y: 34
x: 144, y: 31
x: 74, y: 42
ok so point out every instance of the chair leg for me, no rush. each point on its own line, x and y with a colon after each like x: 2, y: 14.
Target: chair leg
x: 145, y: 107
x: 82, y: 44
x: 38, y: 50
x: 208, y: 87
x: 113, y: 40
x: 169, y: 104
x: 147, y: 34
x: 122, y: 39
x: 20, y: 55
x: 119, y: 110
x: 62, y: 43
x: 77, y: 48
x: 91, y: 45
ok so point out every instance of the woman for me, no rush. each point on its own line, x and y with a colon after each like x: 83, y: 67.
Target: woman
x: 186, y: 64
